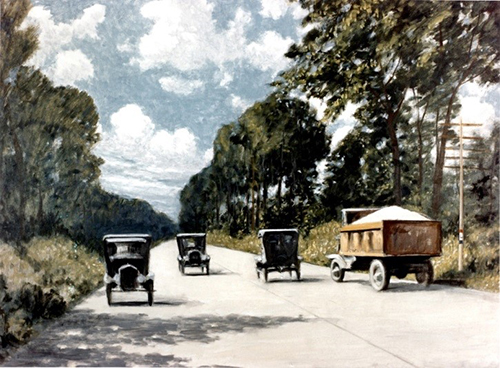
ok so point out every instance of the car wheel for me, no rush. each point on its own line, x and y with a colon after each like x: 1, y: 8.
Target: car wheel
x: 379, y: 275
x: 108, y: 294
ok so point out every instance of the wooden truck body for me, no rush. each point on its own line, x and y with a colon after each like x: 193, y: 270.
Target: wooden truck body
x: 391, y: 238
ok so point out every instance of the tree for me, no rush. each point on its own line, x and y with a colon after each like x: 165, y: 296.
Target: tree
x: 364, y: 52
x: 16, y: 46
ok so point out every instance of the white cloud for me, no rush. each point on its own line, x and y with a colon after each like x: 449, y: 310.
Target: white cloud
x: 274, y: 9
x: 180, y: 85
x: 143, y: 161
x: 195, y: 41
x: 475, y: 109
x: 184, y: 35
x: 238, y: 103
x: 131, y: 125
x: 208, y: 155
x: 226, y: 79
x: 298, y: 12
x: 181, y: 143
x: 54, y: 36
x: 127, y: 46
x: 267, y: 53
x: 71, y: 66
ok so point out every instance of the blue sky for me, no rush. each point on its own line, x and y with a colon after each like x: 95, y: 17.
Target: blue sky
x: 166, y: 74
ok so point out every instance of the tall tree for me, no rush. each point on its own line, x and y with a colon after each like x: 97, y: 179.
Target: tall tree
x: 16, y: 46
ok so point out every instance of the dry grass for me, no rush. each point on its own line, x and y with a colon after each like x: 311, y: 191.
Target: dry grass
x: 248, y: 243
x: 481, y: 260
x: 54, y: 273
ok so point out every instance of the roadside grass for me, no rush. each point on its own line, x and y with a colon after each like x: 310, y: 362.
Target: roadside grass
x: 480, y: 260
x: 54, y: 274
x: 481, y: 254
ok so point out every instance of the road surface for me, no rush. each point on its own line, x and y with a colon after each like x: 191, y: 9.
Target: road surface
x: 232, y: 319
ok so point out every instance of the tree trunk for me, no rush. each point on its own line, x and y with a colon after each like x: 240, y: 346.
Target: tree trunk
x: 19, y: 160
x: 437, y: 180
x: 391, y: 128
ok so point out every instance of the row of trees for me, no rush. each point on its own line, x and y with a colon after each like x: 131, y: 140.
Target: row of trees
x: 48, y: 173
x: 403, y: 64
x: 263, y: 171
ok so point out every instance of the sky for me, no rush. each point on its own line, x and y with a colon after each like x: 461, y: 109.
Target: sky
x: 165, y: 75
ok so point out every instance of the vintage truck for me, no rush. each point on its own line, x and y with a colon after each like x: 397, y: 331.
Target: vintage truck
x: 385, y: 242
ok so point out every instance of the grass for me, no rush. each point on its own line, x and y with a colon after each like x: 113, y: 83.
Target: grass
x: 480, y: 260
x: 54, y: 274
x: 481, y: 254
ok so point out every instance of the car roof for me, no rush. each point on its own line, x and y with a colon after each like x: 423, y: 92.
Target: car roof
x: 126, y: 236
x: 264, y: 231
x: 125, y: 240
x: 191, y: 234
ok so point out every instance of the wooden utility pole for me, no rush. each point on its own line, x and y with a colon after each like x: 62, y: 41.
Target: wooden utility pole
x: 461, y: 158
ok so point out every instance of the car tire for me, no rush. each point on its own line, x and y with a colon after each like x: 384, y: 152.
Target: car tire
x: 336, y: 272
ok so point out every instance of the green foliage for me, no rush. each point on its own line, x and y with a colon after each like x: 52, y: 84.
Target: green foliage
x: 374, y: 53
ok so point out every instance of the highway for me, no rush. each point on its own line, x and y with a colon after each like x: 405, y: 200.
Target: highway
x: 232, y: 319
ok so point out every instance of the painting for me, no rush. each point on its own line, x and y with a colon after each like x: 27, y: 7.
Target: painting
x: 181, y: 180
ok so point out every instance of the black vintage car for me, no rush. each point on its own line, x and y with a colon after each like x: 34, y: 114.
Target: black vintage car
x: 192, y: 251
x: 127, y: 264
x: 279, y: 252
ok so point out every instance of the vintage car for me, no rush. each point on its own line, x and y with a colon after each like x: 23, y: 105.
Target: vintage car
x: 279, y: 252
x: 386, y: 242
x: 192, y: 251
x: 127, y: 264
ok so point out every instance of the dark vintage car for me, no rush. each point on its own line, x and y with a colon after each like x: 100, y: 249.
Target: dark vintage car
x: 192, y: 251
x: 279, y: 252
x: 127, y: 264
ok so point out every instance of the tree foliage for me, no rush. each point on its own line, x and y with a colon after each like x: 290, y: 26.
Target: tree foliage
x: 402, y: 63
x: 263, y: 172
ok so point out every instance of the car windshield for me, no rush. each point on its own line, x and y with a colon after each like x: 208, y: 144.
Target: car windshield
x: 192, y: 243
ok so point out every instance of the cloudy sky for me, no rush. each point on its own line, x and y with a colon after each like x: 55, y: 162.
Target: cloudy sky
x: 166, y: 74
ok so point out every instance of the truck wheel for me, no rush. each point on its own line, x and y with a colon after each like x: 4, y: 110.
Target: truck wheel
x: 426, y: 275
x: 337, y: 272
x: 379, y: 275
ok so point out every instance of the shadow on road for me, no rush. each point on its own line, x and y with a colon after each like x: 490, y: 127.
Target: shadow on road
x: 293, y: 279
x: 171, y: 303
x: 89, y: 339
x: 398, y: 287
x: 212, y: 273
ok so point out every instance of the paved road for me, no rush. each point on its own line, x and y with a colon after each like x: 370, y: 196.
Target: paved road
x: 231, y: 319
